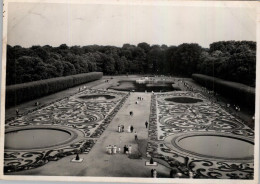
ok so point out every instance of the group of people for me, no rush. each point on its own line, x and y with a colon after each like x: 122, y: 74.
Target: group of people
x: 236, y: 107
x: 18, y: 112
x: 212, y: 95
x: 153, y: 173
x: 173, y: 174
x: 140, y: 98
x: 112, y: 149
x: 131, y: 129
x: 127, y: 149
x: 188, y: 87
x: 121, y: 128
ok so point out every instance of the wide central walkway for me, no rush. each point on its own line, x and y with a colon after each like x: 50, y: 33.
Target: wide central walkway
x: 97, y: 162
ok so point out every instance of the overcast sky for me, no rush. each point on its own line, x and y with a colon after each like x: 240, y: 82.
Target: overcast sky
x: 54, y: 24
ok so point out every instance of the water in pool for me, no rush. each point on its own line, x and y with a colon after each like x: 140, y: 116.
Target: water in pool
x: 183, y: 100
x: 35, y: 138
x: 142, y: 87
x: 97, y: 97
x: 218, y: 146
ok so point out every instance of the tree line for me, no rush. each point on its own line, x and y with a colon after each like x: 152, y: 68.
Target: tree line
x: 230, y: 60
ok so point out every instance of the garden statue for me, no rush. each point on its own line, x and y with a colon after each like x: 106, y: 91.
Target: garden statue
x: 77, y: 157
x: 151, y: 161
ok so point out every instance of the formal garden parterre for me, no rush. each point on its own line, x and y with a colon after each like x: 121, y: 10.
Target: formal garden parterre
x: 184, y: 127
x: 172, y: 120
x: 84, y: 119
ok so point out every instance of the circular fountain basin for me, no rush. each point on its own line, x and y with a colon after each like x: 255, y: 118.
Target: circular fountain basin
x: 187, y: 100
x: 159, y: 86
x: 212, y: 146
x: 97, y: 97
x: 35, y: 138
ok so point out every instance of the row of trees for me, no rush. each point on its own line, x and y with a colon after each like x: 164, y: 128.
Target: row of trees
x: 231, y: 60
x: 234, y: 61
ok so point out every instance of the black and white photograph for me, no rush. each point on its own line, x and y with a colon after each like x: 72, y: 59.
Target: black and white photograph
x: 130, y: 91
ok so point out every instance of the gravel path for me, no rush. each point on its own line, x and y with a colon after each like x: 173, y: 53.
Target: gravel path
x: 98, y: 162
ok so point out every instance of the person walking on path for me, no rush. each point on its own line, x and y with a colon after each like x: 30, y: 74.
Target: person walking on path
x: 132, y: 128
x: 136, y: 136
x: 152, y: 172
x: 17, y: 112
x: 173, y: 172
x: 146, y: 124
x: 125, y: 149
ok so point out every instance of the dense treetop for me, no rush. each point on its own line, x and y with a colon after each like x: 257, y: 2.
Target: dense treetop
x: 230, y: 60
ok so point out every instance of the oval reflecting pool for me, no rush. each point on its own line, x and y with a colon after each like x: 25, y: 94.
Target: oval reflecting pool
x: 35, y: 138
x: 183, y: 100
x: 97, y: 97
x: 160, y: 86
x: 216, y: 146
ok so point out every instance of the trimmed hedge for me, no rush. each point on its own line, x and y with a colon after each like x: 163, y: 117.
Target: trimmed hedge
x: 239, y: 93
x: 16, y: 94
